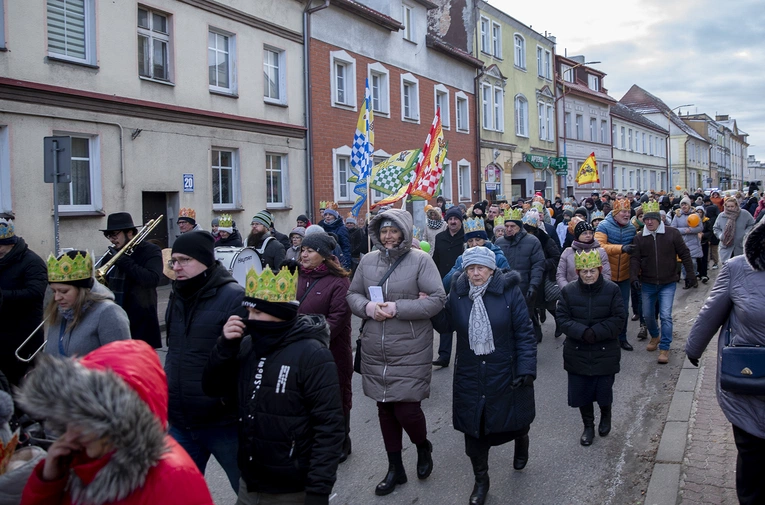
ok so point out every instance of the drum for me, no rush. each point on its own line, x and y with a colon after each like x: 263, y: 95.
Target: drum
x: 238, y: 261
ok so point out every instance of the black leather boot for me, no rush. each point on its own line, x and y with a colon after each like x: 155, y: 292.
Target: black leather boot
x: 588, y: 417
x: 396, y: 475
x: 346, y: 451
x: 604, y: 426
x: 481, y: 487
x: 424, y: 459
x: 521, y: 456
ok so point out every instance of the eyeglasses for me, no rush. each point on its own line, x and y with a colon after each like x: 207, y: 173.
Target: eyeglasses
x: 182, y: 261
x: 112, y: 234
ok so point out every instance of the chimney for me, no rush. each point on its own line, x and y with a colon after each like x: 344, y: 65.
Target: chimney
x: 722, y: 117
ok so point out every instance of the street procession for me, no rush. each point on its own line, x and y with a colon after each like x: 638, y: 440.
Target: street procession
x: 371, y: 262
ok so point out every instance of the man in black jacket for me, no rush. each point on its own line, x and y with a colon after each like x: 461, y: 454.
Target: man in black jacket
x: 134, y: 278
x: 449, y: 245
x: 204, y: 295
x: 270, y: 250
x: 23, y: 279
x: 291, y: 417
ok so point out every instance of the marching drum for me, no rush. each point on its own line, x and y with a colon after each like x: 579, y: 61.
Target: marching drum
x: 238, y: 261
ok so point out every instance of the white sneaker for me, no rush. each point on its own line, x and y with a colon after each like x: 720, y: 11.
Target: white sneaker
x: 714, y: 267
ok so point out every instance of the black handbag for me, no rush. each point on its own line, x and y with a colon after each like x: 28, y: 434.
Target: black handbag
x: 742, y: 367
x: 357, y: 357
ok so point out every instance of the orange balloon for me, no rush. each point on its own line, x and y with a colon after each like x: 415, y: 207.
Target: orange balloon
x: 678, y: 187
x: 693, y: 220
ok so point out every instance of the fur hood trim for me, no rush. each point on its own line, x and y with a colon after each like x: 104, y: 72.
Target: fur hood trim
x: 101, y: 399
x: 754, y: 247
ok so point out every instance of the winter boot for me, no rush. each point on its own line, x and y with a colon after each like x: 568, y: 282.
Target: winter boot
x: 663, y: 356
x: 481, y: 487
x: 653, y: 344
x: 521, y: 456
x: 346, y: 451
x: 396, y: 475
x: 588, y: 417
x: 643, y: 333
x: 424, y: 459
x: 604, y: 426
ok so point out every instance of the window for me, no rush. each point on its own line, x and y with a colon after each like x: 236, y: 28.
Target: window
x: 221, y: 58
x: 496, y: 40
x: 521, y: 116
x: 276, y: 180
x: 541, y: 114
x: 486, y: 108
x: 274, y: 78
x: 579, y: 127
x: 463, y: 120
x: 442, y: 102
x: 544, y: 57
x: 343, y: 188
x: 485, y: 44
x: 623, y: 143
x: 225, y: 178
x: 463, y: 179
x: 520, y: 51
x: 567, y: 72
x: 593, y: 129
x: 642, y: 144
x: 379, y: 88
x: 603, y: 132
x: 549, y: 122
x: 5, y: 169
x: 83, y: 193
x: 629, y: 136
x: 650, y: 145
x: 410, y: 98
x: 407, y: 19
x: 593, y: 82
x: 153, y: 44
x: 567, y: 125
x: 446, y: 180
x: 548, y: 64
x: 343, y: 85
x: 499, y: 110
x: 613, y: 135
x: 71, y: 30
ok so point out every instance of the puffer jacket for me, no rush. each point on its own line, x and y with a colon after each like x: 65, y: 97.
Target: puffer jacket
x: 612, y: 236
x: 598, y: 306
x: 690, y: 235
x: 147, y: 466
x: 341, y: 232
x: 193, y: 327
x: 291, y: 424
x: 736, y: 300
x: 525, y: 255
x: 482, y: 385
x: 502, y: 264
x: 744, y: 223
x: 567, y: 266
x: 396, y: 354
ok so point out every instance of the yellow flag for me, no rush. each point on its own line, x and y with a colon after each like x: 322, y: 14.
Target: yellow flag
x: 588, y: 172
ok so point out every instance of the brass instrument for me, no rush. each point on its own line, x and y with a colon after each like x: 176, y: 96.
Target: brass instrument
x: 103, y: 271
x: 27, y: 360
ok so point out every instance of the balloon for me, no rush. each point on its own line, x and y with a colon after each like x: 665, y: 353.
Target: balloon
x: 678, y: 187
x: 693, y: 220
x: 425, y: 245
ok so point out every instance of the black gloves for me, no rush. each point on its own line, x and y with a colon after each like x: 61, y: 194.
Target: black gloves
x: 523, y: 380
x: 636, y: 285
x: 628, y: 249
x: 531, y: 294
x: 694, y: 361
x: 691, y: 282
x: 588, y: 336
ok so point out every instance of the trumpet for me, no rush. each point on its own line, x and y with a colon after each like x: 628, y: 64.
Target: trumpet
x: 103, y: 271
x: 27, y: 360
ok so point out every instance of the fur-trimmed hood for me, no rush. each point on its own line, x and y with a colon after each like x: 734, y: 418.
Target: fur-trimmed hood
x: 119, y: 391
x: 754, y: 247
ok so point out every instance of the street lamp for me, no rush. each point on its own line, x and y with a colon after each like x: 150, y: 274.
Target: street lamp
x: 669, y: 145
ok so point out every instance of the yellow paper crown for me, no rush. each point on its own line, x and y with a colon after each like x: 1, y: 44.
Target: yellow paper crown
x: 514, y: 215
x: 7, y: 230
x: 650, y: 207
x: 536, y: 204
x: 499, y: 220
x: 328, y: 205
x: 473, y: 225
x: 587, y: 259
x: 188, y: 212
x: 68, y: 269
x: 225, y: 221
x: 620, y: 204
x: 281, y: 287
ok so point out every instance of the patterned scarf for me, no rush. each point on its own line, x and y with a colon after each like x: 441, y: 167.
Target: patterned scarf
x: 479, y: 326
x: 434, y: 224
x: 730, y: 227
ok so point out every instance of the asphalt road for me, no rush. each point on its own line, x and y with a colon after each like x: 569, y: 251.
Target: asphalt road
x: 614, y: 470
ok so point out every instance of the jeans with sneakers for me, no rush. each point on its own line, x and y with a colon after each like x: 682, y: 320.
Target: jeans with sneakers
x: 665, y: 294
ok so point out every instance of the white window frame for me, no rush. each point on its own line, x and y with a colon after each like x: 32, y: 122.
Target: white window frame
x: 567, y: 125
x: 485, y: 35
x: 339, y: 155
x: 629, y: 138
x: 549, y: 121
x: 499, y: 109
x: 282, y: 74
x: 439, y: 90
x: 94, y: 173
x: 579, y: 126
x: 593, y: 129
x: 465, y: 194
x: 153, y: 35
x: 464, y: 125
x: 349, y: 63
x: 593, y: 82
x: 519, y: 44
x: 603, y: 131
x: 567, y: 72
x: 407, y: 19
x: 623, y: 137
x: 414, y: 108
x: 496, y: 40
x: 89, y: 34
x: 642, y: 143
x: 614, y: 136
x: 284, y: 172
x: 378, y: 157
x: 541, y: 118
x: 6, y: 204
x: 231, y: 89
x: 521, y: 116
x: 548, y: 64
x: 378, y: 70
x: 446, y: 181
x: 235, y: 178
x: 650, y: 145
x: 487, y: 108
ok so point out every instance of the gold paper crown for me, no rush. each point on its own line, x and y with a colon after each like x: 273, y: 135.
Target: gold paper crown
x: 472, y: 225
x: 536, y: 204
x: 281, y: 287
x: 188, y: 212
x: 328, y: 205
x: 587, y: 259
x: 620, y: 204
x: 68, y: 269
x: 7, y: 230
x: 514, y: 215
x: 225, y: 221
x: 650, y: 207
x: 499, y: 220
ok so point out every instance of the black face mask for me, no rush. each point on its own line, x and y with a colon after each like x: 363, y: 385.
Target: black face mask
x: 189, y: 287
x: 266, y: 335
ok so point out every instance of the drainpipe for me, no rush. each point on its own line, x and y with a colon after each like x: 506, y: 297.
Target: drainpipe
x: 307, y: 101
x: 477, y: 107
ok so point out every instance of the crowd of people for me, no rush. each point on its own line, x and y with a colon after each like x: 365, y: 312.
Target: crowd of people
x: 258, y: 373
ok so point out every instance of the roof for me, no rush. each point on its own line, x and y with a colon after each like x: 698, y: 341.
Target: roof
x: 427, y: 4
x: 625, y: 112
x: 369, y: 14
x: 644, y: 102
x: 434, y: 42
x: 585, y: 90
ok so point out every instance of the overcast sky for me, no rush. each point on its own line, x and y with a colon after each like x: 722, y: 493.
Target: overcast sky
x: 703, y: 52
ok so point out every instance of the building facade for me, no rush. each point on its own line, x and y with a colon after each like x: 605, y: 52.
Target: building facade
x: 712, y: 132
x: 737, y: 140
x: 639, y: 151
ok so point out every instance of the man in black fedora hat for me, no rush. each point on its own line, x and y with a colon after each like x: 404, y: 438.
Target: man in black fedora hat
x: 134, y: 278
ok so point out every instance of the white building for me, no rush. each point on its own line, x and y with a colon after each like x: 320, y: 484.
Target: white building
x: 639, y: 151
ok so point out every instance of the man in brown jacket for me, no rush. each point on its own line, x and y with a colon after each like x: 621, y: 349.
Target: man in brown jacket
x: 653, y: 270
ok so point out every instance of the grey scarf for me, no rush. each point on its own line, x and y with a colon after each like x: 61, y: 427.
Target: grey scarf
x: 479, y: 326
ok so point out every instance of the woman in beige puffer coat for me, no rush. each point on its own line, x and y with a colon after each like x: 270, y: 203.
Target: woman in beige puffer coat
x: 397, y: 341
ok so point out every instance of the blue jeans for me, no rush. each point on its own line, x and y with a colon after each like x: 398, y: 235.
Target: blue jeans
x: 220, y: 441
x: 665, y: 294
x: 624, y: 287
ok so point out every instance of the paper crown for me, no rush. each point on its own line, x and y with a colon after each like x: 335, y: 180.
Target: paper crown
x: 68, y: 269
x: 569, y: 207
x: 225, y: 221
x: 416, y: 232
x: 499, y: 220
x: 536, y: 204
x: 587, y: 259
x: 7, y: 230
x: 598, y: 214
x: 532, y: 218
x: 620, y: 204
x: 472, y: 225
x: 650, y: 207
x: 188, y: 212
x: 504, y: 205
x: 328, y: 205
x: 281, y: 287
x: 513, y: 215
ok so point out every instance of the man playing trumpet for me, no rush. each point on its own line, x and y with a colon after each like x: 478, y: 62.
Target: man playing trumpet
x: 134, y: 277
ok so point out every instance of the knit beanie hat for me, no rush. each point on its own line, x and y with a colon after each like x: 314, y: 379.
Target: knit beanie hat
x: 215, y: 222
x: 479, y: 255
x: 685, y: 200
x: 582, y: 227
x: 303, y: 218
x: 263, y: 217
x: 298, y: 230
x: 198, y: 245
x: 331, y: 212
x: 388, y: 222
x: 568, y: 212
x: 454, y: 212
x: 582, y: 212
x: 322, y: 243
x: 314, y: 228
x: 350, y: 219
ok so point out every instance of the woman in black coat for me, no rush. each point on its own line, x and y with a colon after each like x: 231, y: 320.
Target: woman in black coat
x: 591, y: 315
x: 496, y: 362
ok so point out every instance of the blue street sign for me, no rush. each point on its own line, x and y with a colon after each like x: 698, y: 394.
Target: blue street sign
x: 188, y: 183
